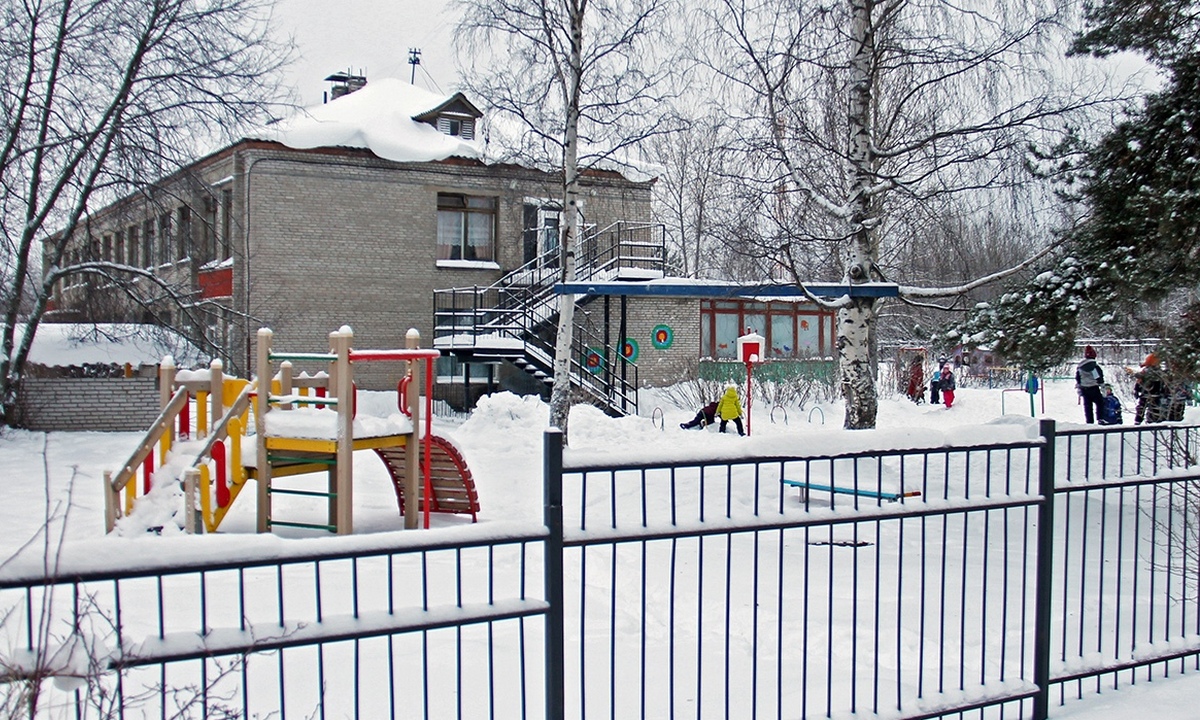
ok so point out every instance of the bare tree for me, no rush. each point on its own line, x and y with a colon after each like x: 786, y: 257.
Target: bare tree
x: 876, y: 116
x: 575, y: 82
x: 101, y: 97
x: 694, y: 195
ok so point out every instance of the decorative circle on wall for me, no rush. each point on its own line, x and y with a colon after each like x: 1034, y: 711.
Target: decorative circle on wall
x: 662, y: 337
x: 593, y: 360
x: 629, y: 349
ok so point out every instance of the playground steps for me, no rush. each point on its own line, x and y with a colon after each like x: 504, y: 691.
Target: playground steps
x: 453, y: 488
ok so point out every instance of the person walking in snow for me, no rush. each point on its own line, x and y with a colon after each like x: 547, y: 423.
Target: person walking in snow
x: 729, y: 407
x: 1088, y: 379
x: 947, y: 385
x: 916, y: 380
x: 1149, y: 387
x: 935, y: 386
x: 705, y: 416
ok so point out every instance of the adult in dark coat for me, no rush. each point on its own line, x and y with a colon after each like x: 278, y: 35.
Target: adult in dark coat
x: 916, y: 380
x: 1089, y: 378
x: 1149, y: 387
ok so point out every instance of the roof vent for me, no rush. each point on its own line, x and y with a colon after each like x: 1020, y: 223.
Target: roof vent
x: 344, y: 84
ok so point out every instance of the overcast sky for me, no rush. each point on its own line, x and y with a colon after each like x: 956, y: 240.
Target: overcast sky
x: 372, y: 36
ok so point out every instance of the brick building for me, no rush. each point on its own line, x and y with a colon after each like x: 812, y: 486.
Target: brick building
x: 379, y: 210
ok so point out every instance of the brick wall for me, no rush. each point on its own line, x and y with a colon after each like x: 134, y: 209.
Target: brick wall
x: 104, y: 404
x: 353, y: 241
x: 656, y: 366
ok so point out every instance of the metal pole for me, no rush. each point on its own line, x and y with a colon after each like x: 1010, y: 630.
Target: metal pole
x: 1045, y: 573
x: 412, y: 459
x: 749, y: 394
x: 552, y: 446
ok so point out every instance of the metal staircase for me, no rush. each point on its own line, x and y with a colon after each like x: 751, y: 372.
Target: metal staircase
x: 515, y: 319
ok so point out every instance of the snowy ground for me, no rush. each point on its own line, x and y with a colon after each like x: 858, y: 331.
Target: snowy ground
x: 58, y: 476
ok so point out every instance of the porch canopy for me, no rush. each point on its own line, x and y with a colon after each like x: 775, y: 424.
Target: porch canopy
x: 692, y: 288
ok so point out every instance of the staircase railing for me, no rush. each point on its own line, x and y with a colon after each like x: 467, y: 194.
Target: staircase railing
x: 515, y: 314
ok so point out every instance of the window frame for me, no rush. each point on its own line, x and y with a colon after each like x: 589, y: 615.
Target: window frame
x: 460, y: 204
x: 717, y: 313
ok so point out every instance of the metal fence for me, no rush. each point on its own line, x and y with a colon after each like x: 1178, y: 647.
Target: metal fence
x: 428, y: 629
x: 725, y: 590
x: 995, y: 579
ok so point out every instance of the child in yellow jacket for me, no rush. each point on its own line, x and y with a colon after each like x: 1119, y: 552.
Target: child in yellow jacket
x: 729, y: 407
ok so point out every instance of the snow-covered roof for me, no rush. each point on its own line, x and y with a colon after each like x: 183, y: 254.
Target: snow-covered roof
x: 66, y: 344
x: 396, y: 120
x: 381, y: 118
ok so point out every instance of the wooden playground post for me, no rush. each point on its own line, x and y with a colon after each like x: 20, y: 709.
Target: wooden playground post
x: 112, y: 503
x: 166, y: 389
x: 262, y: 401
x: 343, y: 503
x: 216, y: 392
x: 412, y: 485
x: 191, y: 479
x: 285, y: 382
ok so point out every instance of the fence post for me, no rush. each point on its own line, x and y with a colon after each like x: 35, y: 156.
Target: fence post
x: 552, y: 446
x: 1045, y: 572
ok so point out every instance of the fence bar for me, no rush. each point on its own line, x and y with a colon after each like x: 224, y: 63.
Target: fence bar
x: 1045, y: 573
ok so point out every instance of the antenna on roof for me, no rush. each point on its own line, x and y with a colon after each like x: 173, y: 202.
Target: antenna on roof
x: 414, y: 59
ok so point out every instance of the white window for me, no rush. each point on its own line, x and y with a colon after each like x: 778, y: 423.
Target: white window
x: 466, y: 227
x: 458, y: 127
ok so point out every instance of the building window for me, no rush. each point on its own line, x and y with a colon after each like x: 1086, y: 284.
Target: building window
x: 451, y: 370
x: 464, y: 127
x: 792, y: 330
x: 148, y: 243
x: 466, y: 227
x: 119, y: 246
x: 106, y: 250
x: 132, y: 234
x: 164, y: 238
x: 183, y: 221
x: 226, y: 224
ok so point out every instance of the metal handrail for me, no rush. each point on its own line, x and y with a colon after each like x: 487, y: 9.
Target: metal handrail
x: 521, y: 310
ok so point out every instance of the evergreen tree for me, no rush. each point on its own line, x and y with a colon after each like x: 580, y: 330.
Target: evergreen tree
x: 1141, y: 238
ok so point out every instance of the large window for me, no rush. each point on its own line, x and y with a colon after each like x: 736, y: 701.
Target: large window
x: 466, y: 227
x: 792, y: 330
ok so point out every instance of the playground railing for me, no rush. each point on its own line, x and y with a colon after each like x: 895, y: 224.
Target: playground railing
x: 160, y: 435
x: 208, y: 392
x: 230, y: 471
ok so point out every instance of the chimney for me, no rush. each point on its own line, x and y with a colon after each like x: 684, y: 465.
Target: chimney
x: 344, y: 84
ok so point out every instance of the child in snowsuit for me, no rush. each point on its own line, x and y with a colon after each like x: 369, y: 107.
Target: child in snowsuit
x: 1110, y: 409
x: 935, y: 383
x: 916, y: 380
x: 947, y: 385
x: 705, y: 416
x: 729, y: 407
x: 1088, y: 379
x: 1149, y: 388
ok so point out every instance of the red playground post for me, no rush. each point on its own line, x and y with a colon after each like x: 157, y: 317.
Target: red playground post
x: 750, y: 350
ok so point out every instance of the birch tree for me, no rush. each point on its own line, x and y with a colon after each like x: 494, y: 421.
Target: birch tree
x: 101, y: 98
x: 868, y: 110
x: 574, y: 81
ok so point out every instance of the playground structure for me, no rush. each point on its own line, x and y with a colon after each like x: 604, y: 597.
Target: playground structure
x: 296, y: 425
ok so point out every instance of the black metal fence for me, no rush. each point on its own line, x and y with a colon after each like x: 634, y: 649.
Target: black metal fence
x: 999, y: 578
x: 436, y: 628
x: 911, y: 583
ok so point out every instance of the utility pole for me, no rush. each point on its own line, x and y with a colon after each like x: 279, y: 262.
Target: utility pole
x: 414, y: 59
